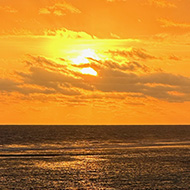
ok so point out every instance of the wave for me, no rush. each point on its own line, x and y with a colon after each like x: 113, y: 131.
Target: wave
x: 18, y: 151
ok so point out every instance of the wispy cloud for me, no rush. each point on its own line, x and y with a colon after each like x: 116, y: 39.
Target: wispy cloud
x: 59, y: 9
x: 169, y: 23
x: 69, y: 34
x: 174, y: 57
x: 8, y: 9
x: 162, y: 3
x: 133, y: 53
x: 157, y: 3
x: 114, y: 36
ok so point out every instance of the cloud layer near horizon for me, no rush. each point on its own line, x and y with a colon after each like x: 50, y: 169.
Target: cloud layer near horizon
x: 43, y: 76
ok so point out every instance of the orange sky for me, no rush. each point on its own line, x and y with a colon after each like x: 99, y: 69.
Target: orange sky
x: 94, y: 62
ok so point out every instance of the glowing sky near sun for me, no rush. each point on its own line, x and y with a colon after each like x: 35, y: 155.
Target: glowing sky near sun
x: 94, y: 62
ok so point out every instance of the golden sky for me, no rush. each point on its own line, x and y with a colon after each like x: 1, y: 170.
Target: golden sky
x: 94, y: 62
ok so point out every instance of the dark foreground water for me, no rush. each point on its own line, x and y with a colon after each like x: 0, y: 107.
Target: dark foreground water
x: 94, y: 157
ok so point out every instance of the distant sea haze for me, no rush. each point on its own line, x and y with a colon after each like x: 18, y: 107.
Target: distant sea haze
x: 95, y: 157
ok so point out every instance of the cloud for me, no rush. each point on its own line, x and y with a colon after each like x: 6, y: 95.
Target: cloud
x: 132, y: 53
x: 52, y: 79
x: 48, y: 74
x: 114, y: 81
x: 157, y: 3
x: 63, y: 33
x: 174, y: 57
x: 69, y: 34
x: 114, y: 65
x: 162, y: 3
x: 115, y: 77
x: 114, y: 36
x: 156, y: 85
x: 45, y: 11
x: 8, y: 9
x: 59, y: 9
x: 44, y: 77
x: 8, y: 85
x: 121, y: 78
x: 168, y: 23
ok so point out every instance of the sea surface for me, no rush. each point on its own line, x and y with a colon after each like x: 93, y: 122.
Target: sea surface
x: 94, y: 157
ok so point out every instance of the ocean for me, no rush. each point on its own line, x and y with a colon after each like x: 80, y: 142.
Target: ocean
x: 94, y: 157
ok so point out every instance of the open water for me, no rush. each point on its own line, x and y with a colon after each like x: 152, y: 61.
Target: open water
x: 94, y: 157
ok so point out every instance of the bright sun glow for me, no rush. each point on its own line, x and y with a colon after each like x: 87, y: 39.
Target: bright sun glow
x: 89, y: 71
x: 84, y: 55
x: 83, y: 58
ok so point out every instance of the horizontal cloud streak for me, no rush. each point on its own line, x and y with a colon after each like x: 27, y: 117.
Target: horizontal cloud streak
x: 59, y: 9
x: 132, y: 53
x: 48, y: 77
x: 69, y: 34
x: 169, y: 23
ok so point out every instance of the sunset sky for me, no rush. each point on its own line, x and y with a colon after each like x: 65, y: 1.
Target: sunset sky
x: 94, y: 61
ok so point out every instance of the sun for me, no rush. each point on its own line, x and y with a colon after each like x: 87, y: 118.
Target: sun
x: 89, y: 71
x: 83, y: 58
x: 90, y: 53
x: 84, y: 55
